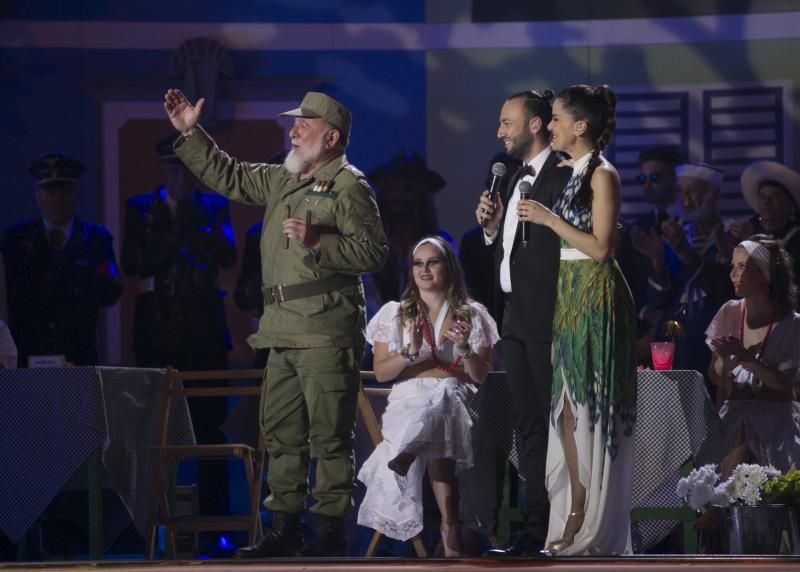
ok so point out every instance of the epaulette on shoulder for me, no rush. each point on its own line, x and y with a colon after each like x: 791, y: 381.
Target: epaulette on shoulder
x: 354, y: 171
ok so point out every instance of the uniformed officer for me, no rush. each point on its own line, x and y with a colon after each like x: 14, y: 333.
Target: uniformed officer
x: 60, y: 270
x: 176, y: 240
x: 321, y: 232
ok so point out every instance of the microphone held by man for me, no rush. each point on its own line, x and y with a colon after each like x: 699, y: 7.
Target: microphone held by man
x: 525, y: 195
x: 498, y: 172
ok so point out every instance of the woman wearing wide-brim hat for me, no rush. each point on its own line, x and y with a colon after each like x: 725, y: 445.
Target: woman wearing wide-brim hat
x: 772, y: 190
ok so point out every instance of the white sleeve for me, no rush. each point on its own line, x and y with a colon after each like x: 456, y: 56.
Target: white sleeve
x: 385, y: 327
x: 484, y: 329
x: 724, y: 323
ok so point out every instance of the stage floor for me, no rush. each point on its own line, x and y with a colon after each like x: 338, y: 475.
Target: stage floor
x: 638, y: 563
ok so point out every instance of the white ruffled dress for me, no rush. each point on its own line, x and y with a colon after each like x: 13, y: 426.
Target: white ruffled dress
x: 424, y: 416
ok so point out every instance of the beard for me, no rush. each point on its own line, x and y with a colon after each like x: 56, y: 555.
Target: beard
x: 520, y: 146
x: 298, y: 162
x: 704, y: 211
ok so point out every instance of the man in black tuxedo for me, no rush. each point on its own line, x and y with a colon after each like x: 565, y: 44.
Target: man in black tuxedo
x: 526, y: 276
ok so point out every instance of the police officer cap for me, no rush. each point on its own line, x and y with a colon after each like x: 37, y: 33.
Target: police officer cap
x: 317, y: 104
x: 165, y: 150
x: 55, y: 169
x: 410, y: 166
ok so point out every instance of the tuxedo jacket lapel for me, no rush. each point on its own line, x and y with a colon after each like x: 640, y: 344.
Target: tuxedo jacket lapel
x: 551, y: 163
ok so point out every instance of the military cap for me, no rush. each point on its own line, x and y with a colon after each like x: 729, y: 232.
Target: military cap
x: 164, y: 148
x: 56, y: 169
x: 317, y: 104
x: 410, y: 166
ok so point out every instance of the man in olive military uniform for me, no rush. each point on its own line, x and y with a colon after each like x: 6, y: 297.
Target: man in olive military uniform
x: 321, y: 232
x: 247, y: 294
x: 176, y: 240
x: 60, y: 270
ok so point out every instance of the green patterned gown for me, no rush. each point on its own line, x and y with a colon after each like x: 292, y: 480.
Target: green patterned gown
x: 594, y: 367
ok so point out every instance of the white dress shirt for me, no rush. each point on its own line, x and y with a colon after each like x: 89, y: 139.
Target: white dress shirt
x: 511, y: 222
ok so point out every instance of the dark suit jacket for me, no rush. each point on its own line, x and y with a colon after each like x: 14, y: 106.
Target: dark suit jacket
x: 534, y: 270
x: 184, y: 310
x: 54, y: 298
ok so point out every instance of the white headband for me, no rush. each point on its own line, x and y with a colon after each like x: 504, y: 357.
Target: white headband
x: 760, y: 254
x: 432, y: 241
x: 702, y: 171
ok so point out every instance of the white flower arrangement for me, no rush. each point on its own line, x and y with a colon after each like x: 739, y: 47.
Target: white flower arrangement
x: 700, y: 487
x: 745, y: 484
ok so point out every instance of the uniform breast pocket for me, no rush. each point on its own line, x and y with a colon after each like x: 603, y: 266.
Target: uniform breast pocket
x: 319, y: 209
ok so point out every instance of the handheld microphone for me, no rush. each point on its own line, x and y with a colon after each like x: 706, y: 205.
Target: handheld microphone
x: 524, y: 195
x: 498, y: 172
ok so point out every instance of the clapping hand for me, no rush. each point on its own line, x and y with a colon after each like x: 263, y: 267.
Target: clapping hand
x: 459, y: 334
x: 727, y: 346
x: 183, y: 115
x: 648, y: 244
x: 741, y: 229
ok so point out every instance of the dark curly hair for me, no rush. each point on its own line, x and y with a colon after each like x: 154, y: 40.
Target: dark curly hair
x: 456, y: 291
x: 782, y: 289
x: 597, y: 107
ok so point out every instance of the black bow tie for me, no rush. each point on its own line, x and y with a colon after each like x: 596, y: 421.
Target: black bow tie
x: 525, y: 170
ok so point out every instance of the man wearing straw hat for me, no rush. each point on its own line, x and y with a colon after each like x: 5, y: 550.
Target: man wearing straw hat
x: 772, y: 190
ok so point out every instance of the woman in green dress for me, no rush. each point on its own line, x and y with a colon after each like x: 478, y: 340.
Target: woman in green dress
x: 593, y: 410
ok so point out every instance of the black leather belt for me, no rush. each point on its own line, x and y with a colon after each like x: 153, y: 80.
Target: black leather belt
x: 284, y: 293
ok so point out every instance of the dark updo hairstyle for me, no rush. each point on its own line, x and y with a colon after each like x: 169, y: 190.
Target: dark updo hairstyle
x: 597, y: 107
x: 537, y: 104
x: 782, y: 289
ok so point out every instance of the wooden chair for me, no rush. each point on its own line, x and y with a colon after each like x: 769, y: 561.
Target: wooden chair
x: 375, y: 435
x: 168, y: 456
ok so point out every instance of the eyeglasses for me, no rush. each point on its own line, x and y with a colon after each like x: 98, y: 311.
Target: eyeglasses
x: 642, y: 178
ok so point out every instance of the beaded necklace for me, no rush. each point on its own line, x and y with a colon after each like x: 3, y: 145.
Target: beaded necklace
x: 742, y: 317
x: 428, y: 334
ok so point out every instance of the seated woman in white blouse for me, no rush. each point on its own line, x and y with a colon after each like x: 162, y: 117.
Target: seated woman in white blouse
x: 755, y: 363
x: 433, y: 342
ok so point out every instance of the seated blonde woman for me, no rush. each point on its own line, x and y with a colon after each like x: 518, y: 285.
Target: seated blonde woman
x: 433, y: 342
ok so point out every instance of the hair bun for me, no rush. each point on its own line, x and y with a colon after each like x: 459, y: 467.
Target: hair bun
x: 607, y: 94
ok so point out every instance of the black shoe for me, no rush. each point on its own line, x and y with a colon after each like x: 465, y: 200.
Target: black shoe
x: 284, y: 538
x: 329, y: 537
x: 525, y: 544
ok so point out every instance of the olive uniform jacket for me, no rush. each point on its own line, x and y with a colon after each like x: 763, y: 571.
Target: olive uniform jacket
x: 340, y: 203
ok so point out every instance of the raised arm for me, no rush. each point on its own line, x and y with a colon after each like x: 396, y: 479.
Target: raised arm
x: 183, y: 115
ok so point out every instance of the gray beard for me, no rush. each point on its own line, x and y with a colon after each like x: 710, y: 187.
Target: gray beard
x: 296, y: 164
x: 705, y: 211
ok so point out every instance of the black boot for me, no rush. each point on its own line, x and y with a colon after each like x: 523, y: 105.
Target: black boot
x: 284, y: 538
x: 329, y: 537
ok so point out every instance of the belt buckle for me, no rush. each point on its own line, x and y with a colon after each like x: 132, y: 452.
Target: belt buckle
x: 276, y: 293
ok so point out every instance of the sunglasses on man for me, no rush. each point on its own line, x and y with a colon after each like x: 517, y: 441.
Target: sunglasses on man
x: 654, y: 178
